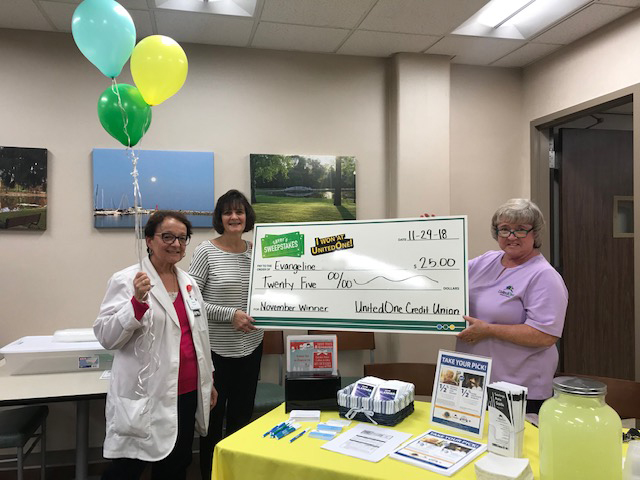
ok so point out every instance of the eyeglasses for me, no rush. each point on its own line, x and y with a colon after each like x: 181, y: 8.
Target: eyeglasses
x: 505, y: 232
x: 169, y: 238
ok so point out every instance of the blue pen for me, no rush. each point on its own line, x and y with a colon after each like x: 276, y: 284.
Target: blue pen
x: 274, y: 429
x: 280, y: 429
x: 285, y: 432
x: 299, y: 435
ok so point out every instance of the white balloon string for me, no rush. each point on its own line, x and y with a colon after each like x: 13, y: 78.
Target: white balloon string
x: 143, y: 350
x: 125, y: 119
x: 137, y: 207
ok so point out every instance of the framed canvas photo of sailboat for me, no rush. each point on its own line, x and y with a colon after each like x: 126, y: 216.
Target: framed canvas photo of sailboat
x: 168, y: 180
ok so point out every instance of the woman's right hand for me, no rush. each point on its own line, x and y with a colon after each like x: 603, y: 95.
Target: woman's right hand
x: 243, y: 322
x: 141, y: 285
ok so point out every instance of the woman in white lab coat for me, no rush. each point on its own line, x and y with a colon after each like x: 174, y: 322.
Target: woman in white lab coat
x: 162, y: 377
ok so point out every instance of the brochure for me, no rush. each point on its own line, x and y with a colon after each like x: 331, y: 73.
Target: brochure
x: 507, y: 409
x: 367, y: 442
x: 312, y: 353
x: 459, y: 396
x: 439, y: 452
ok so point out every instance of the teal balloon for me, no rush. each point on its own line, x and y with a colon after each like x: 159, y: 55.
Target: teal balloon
x: 132, y: 107
x: 104, y: 32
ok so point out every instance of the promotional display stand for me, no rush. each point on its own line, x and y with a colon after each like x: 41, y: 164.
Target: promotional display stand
x: 311, y: 391
x: 312, y: 380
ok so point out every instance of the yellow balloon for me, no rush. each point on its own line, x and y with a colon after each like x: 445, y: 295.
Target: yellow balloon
x: 159, y: 68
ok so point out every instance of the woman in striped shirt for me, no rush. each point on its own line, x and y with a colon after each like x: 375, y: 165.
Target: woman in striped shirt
x: 221, y: 268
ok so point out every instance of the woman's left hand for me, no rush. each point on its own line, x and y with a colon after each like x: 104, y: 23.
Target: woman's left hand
x: 214, y: 397
x: 243, y: 322
x: 476, y: 331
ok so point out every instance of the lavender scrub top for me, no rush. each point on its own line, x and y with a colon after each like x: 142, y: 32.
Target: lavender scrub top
x: 532, y: 293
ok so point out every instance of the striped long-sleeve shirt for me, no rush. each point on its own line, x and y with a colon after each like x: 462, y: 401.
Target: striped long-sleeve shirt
x: 223, y: 278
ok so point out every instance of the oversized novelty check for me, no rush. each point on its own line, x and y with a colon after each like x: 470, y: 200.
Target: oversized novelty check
x: 401, y: 275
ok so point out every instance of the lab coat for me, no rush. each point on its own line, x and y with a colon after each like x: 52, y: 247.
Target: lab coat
x: 142, y: 420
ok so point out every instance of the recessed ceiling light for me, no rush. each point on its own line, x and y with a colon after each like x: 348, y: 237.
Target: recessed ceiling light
x: 238, y: 8
x: 517, y: 19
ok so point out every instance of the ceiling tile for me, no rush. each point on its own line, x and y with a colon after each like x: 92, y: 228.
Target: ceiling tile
x: 135, y: 4
x: 204, y: 28
x: 582, y: 23
x: 427, y: 17
x: 19, y: 14
x: 319, y: 13
x: 61, y: 14
x: 383, y: 44
x: 621, y: 3
x: 351, y: 27
x: 526, y: 54
x: 280, y: 36
x: 142, y: 21
x: 474, y: 50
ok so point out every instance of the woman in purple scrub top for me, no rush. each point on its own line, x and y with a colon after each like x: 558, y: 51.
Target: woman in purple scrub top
x: 517, y: 304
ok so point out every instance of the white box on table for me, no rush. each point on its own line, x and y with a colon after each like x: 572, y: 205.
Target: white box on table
x: 40, y: 354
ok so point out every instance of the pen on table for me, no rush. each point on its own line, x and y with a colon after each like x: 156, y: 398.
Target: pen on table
x: 282, y: 428
x: 286, y: 431
x: 299, y: 435
x: 274, y: 428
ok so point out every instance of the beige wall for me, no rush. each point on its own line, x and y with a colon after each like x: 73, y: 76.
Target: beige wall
x: 486, y: 163
x: 235, y: 102
x: 599, y: 65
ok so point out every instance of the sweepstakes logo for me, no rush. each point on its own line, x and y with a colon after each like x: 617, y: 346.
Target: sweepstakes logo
x: 287, y: 245
x: 507, y: 292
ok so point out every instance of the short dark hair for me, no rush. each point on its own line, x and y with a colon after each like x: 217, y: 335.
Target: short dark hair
x: 229, y: 200
x: 159, y: 216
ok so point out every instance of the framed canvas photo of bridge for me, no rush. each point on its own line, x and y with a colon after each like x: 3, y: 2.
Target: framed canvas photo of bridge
x: 23, y: 188
x: 303, y: 188
x: 168, y: 180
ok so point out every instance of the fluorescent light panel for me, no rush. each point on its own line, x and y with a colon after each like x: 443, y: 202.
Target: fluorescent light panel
x: 237, y: 8
x: 517, y: 19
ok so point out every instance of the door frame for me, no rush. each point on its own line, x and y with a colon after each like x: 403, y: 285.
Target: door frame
x: 539, y: 129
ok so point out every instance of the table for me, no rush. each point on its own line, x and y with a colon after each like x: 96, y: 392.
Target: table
x: 79, y: 387
x: 246, y: 454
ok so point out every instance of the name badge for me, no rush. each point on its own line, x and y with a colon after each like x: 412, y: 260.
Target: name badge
x: 194, y: 306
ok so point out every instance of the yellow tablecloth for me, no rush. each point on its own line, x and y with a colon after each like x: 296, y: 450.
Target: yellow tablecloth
x: 247, y: 455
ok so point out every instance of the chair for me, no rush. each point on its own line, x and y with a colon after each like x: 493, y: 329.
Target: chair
x: 622, y: 395
x: 351, y: 341
x: 270, y: 395
x: 19, y: 425
x: 421, y: 375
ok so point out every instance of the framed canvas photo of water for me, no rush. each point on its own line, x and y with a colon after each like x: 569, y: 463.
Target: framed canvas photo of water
x: 23, y: 188
x: 303, y: 188
x: 168, y: 180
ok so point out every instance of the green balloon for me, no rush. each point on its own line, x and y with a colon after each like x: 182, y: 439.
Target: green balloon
x: 131, y: 106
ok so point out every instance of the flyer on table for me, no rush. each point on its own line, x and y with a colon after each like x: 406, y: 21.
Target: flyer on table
x: 439, y: 452
x: 460, y: 392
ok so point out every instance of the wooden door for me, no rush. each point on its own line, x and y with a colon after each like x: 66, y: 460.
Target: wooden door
x: 598, y: 339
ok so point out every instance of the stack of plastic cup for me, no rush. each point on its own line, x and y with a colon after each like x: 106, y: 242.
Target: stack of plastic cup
x: 632, y: 463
